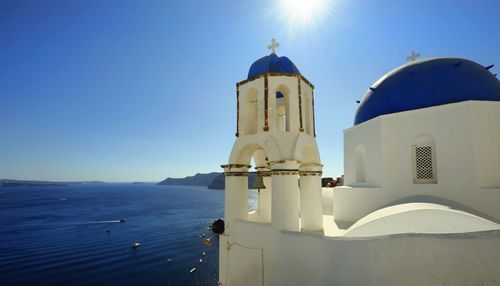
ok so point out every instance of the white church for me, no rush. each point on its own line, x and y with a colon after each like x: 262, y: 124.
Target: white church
x: 421, y: 200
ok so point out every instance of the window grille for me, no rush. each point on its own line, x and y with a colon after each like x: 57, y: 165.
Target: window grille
x: 424, y: 165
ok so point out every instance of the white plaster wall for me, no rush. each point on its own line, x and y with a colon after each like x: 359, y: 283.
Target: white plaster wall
x: 292, y: 258
x: 351, y: 204
x: 464, y: 135
x: 485, y: 118
x: 450, y: 126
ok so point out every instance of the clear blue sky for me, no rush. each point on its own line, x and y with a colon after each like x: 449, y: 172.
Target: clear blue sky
x: 141, y: 90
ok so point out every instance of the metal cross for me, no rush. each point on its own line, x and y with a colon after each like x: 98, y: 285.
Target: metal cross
x: 274, y: 44
x: 413, y: 56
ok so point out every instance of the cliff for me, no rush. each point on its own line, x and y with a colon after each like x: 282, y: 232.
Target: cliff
x: 196, y: 180
x: 218, y: 182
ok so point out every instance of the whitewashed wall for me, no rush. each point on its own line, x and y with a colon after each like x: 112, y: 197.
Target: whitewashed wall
x: 467, y: 146
x: 291, y: 258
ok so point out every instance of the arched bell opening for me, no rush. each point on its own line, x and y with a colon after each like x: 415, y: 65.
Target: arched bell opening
x: 282, y: 107
x: 256, y: 183
x: 259, y: 183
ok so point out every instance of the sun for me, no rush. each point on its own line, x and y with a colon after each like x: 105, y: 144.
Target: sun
x: 302, y: 12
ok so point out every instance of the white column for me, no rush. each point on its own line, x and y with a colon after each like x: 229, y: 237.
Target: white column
x: 223, y: 256
x: 265, y: 198
x: 285, y: 195
x: 311, y: 198
x: 236, y: 192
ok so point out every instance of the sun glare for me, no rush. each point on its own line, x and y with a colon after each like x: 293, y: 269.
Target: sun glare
x: 302, y: 12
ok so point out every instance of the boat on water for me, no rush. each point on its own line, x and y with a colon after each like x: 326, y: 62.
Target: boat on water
x: 135, y: 245
x: 208, y: 241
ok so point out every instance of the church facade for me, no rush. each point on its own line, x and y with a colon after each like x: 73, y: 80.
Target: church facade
x: 429, y: 131
x: 422, y: 181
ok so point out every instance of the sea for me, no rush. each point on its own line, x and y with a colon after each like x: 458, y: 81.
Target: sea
x: 72, y: 235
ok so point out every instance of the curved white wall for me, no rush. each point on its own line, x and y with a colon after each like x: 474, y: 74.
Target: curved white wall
x: 418, y: 218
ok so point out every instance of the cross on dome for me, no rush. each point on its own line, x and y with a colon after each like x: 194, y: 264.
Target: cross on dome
x: 274, y: 44
x: 413, y: 56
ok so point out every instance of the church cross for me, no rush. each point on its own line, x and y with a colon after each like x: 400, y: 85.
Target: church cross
x: 413, y: 56
x: 274, y: 44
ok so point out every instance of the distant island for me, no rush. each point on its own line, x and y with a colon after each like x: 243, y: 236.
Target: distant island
x: 218, y: 183
x: 196, y: 180
x: 214, y: 180
x: 33, y: 183
x: 28, y: 183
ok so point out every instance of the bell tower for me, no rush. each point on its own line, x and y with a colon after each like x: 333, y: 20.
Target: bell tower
x: 275, y: 127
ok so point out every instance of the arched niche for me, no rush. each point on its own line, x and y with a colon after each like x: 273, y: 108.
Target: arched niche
x: 360, y: 158
x: 249, y: 112
x: 282, y: 108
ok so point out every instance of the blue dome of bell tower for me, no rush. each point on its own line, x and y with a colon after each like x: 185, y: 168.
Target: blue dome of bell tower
x: 272, y: 63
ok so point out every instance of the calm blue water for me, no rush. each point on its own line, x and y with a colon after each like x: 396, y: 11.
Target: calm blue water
x: 58, y: 235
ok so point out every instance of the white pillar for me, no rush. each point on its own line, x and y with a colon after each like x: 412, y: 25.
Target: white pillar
x: 236, y: 192
x: 223, y: 256
x: 265, y: 197
x: 311, y: 198
x: 285, y: 195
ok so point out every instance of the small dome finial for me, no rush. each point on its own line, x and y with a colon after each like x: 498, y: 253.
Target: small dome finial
x: 274, y: 44
x: 413, y: 56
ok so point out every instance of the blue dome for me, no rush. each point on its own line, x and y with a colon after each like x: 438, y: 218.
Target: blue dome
x: 272, y: 63
x: 426, y: 83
